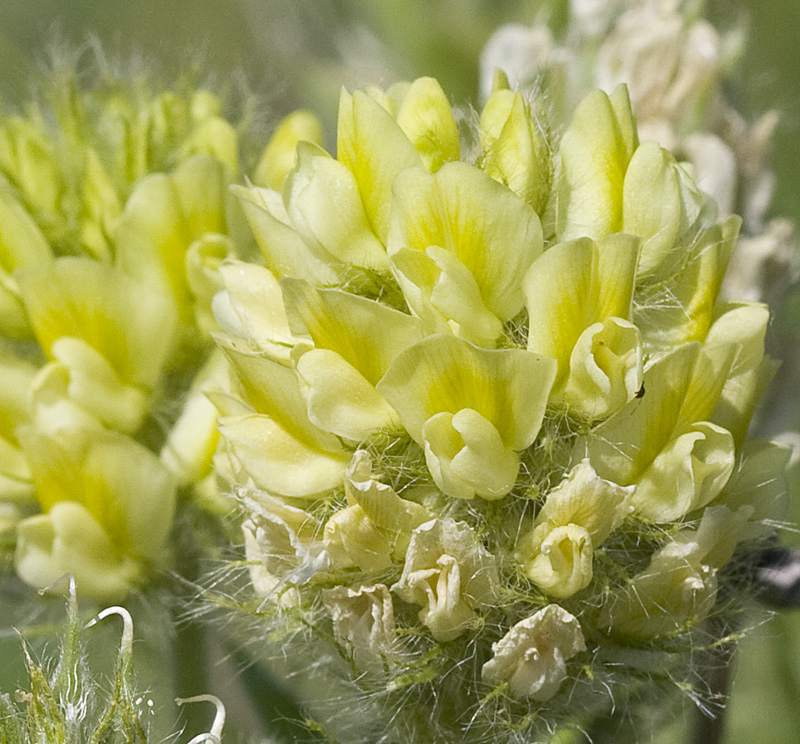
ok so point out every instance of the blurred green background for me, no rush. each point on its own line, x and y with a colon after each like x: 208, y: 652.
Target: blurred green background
x: 299, y: 52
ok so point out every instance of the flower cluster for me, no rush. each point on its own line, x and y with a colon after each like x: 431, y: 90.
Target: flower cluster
x: 107, y: 270
x: 487, y: 416
x: 677, y: 66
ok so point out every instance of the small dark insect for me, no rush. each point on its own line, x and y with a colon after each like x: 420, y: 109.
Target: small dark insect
x: 778, y: 577
x: 640, y: 392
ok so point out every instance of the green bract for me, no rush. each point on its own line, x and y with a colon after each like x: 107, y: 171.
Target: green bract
x: 487, y: 418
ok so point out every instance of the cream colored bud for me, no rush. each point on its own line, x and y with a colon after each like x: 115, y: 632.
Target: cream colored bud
x: 278, y: 157
x: 449, y: 574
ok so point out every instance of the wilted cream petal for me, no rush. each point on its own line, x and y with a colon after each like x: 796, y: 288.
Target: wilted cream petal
x: 363, y: 624
x: 449, y: 574
x: 532, y: 656
x: 352, y: 539
x: 385, y: 508
x: 282, y: 544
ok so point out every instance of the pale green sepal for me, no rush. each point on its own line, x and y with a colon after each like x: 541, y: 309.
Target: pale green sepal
x: 507, y: 387
x: 324, y: 206
x: 759, y: 481
x: 742, y: 326
x: 449, y: 574
x: 375, y: 149
x: 679, y: 585
x: 686, y: 475
x: 660, y: 204
x: 340, y: 399
x: 593, y: 158
x: 366, y: 334
x: 466, y: 456
x: 277, y: 460
x: 278, y: 157
x: 69, y: 540
x: 514, y: 150
x: 427, y: 120
x: 283, y: 249
x: 683, y: 311
x: 493, y: 232
x: 444, y: 294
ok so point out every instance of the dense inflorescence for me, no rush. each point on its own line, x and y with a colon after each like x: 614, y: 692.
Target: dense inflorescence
x: 487, y: 416
x: 114, y: 217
